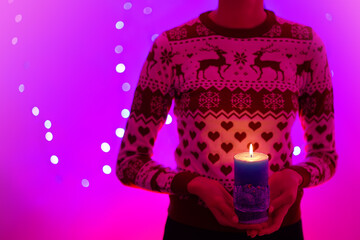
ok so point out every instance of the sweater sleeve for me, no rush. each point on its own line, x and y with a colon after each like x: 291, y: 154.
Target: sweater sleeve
x: 316, y: 113
x: 151, y: 103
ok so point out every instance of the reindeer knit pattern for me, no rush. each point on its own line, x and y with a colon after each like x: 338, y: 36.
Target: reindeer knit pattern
x: 231, y: 87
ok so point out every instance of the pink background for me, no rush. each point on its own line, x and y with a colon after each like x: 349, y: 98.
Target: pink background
x: 65, y: 58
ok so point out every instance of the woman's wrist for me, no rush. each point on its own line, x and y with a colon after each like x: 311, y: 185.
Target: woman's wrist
x: 295, y: 175
x: 196, y: 185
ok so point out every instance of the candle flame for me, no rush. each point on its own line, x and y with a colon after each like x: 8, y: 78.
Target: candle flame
x: 251, y: 150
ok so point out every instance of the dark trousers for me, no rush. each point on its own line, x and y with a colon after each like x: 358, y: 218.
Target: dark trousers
x: 177, y: 231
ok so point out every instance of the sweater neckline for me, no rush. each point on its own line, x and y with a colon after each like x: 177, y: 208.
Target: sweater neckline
x: 256, y: 31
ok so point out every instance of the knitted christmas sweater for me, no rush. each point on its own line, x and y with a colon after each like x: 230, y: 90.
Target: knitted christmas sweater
x: 231, y: 87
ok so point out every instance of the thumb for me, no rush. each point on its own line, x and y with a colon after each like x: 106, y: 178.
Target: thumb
x: 228, y: 197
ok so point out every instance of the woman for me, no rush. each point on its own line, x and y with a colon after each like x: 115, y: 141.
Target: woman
x: 238, y: 75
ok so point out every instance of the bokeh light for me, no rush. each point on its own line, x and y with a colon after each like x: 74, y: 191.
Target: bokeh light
x: 168, y: 119
x: 297, y: 150
x: 328, y: 17
x: 35, y: 111
x: 119, y: 24
x: 47, y: 124
x: 119, y: 49
x: 125, y: 113
x: 119, y: 132
x: 127, y: 5
x: 126, y: 87
x: 147, y: 10
x: 120, y: 68
x: 107, y: 169
x: 18, y: 18
x: 154, y: 36
x: 49, y: 136
x: 105, y: 147
x: 14, y: 40
x: 54, y: 159
x: 85, y: 183
x: 21, y: 88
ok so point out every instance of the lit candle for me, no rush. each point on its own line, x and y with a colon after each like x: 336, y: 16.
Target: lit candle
x: 251, y: 188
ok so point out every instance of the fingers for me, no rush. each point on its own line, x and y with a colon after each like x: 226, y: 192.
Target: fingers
x: 227, y: 211
x: 252, y: 233
x: 277, y: 218
x: 283, y: 199
x: 221, y: 218
x: 255, y: 227
x: 227, y: 208
x: 224, y: 216
x: 228, y: 197
x: 222, y: 208
x: 278, y: 210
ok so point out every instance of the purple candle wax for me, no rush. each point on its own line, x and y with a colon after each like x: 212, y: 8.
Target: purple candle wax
x: 251, y: 188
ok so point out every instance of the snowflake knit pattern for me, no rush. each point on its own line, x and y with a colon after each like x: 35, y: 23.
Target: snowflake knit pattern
x: 231, y: 88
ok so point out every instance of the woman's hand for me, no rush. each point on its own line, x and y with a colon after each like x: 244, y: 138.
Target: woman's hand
x: 219, y: 201
x: 283, y: 191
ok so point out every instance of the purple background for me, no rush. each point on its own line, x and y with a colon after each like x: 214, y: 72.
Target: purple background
x: 65, y: 58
